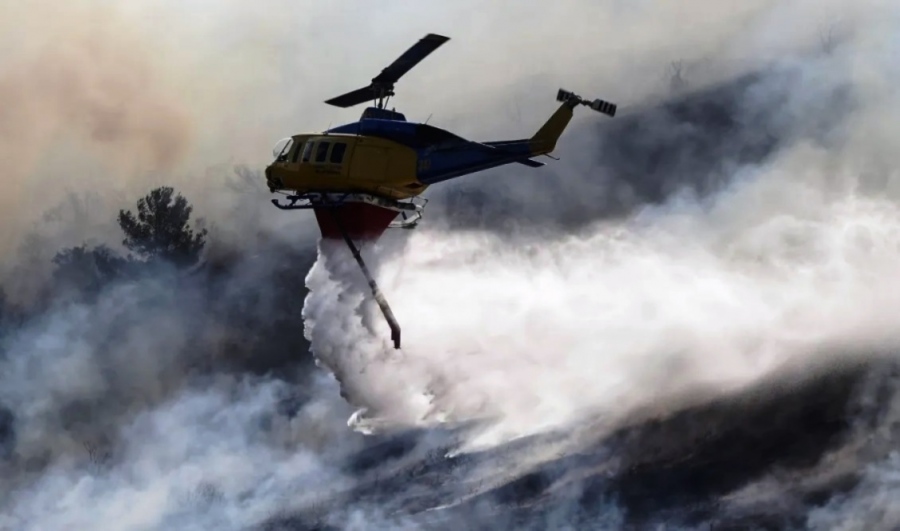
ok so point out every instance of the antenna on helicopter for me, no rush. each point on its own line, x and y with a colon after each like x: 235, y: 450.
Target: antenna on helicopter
x: 382, y: 86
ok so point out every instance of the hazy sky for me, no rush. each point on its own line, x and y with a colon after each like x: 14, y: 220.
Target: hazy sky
x: 111, y: 98
x: 180, y: 86
x: 797, y: 256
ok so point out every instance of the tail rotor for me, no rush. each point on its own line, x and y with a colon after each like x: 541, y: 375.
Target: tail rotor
x: 601, y: 106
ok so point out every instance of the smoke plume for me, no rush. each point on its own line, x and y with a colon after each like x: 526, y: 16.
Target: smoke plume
x: 789, y: 258
x: 670, y: 260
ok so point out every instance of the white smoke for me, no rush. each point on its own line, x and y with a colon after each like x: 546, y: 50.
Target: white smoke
x: 607, y: 321
x: 216, y: 457
x: 795, y: 258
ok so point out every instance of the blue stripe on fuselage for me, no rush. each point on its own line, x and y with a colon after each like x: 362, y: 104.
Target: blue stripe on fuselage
x: 377, y: 127
x: 436, y: 165
x: 442, y: 155
x: 411, y: 134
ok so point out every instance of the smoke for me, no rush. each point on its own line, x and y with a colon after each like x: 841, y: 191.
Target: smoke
x: 213, y: 457
x: 110, y: 99
x: 791, y: 259
x: 614, y: 319
x: 137, y: 407
x: 82, y: 83
x: 126, y: 408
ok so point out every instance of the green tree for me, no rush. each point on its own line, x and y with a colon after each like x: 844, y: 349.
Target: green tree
x: 87, y: 270
x: 160, y: 230
x: 5, y: 312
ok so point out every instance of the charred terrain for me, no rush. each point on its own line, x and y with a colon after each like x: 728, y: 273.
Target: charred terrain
x: 169, y: 382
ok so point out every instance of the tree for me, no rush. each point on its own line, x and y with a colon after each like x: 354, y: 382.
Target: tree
x: 87, y: 270
x: 5, y: 313
x: 4, y: 305
x: 7, y: 432
x: 160, y: 229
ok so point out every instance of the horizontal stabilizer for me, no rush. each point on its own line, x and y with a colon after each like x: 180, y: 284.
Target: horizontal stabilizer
x: 512, y: 146
x: 506, y: 143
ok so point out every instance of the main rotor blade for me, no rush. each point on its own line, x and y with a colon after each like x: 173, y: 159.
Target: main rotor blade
x: 410, y: 58
x: 354, y: 98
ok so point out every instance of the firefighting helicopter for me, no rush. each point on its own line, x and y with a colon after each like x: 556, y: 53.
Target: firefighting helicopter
x: 357, y: 178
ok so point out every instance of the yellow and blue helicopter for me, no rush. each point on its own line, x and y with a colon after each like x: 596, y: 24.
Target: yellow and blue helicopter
x: 358, y: 177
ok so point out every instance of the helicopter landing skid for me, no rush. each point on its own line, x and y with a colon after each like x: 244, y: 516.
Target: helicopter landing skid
x: 410, y: 211
x: 407, y: 222
x: 292, y: 204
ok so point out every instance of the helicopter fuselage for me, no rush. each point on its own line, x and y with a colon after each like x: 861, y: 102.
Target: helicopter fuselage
x: 359, y: 177
x: 341, y: 162
x: 390, y: 157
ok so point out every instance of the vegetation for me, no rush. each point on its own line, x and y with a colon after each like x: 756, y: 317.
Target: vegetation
x: 159, y: 234
x: 254, y: 303
x: 160, y: 230
x: 244, y: 312
x: 87, y: 271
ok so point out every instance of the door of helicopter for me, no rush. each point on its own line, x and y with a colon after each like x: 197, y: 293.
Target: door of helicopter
x: 370, y: 161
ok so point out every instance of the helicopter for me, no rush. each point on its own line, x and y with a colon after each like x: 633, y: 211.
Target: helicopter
x: 359, y: 177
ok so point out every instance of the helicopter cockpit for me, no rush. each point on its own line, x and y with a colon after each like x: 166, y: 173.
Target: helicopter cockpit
x: 282, y: 148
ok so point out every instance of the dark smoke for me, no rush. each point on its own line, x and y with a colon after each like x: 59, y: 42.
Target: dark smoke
x: 136, y: 395
x: 693, y: 143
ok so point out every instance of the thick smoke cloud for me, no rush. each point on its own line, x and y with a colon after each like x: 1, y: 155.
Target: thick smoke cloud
x: 640, y: 284
x: 788, y: 259
x: 77, y: 79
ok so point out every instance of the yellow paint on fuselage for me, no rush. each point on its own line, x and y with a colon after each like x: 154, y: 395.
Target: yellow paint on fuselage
x: 346, y: 163
x: 544, y: 141
x: 340, y: 162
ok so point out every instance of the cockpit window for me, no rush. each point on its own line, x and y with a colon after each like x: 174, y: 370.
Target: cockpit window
x: 322, y: 151
x: 307, y: 151
x: 282, y: 148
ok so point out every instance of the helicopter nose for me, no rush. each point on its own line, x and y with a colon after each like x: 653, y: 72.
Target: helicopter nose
x: 270, y: 181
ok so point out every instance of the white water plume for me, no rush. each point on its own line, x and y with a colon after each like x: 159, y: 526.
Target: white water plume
x: 796, y: 259
x: 210, y: 458
x: 628, y: 313
x: 792, y: 261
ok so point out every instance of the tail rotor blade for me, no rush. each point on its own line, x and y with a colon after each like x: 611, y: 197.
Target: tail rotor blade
x: 604, y: 107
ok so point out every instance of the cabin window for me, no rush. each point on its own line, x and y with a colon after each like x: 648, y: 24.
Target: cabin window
x: 307, y: 151
x: 297, y: 152
x: 322, y: 151
x: 337, y: 153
